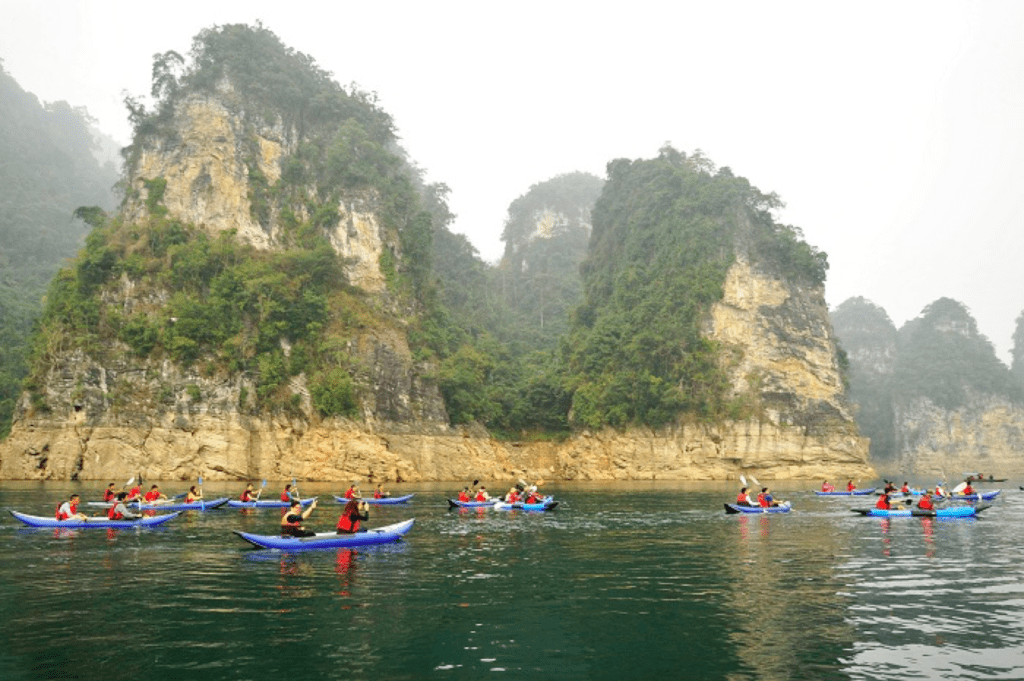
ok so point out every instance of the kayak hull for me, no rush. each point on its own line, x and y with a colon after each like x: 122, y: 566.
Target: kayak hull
x: 269, y: 503
x: 736, y: 508
x: 518, y: 505
x: 844, y: 493
x: 43, y: 521
x: 383, y: 501
x: 951, y: 512
x: 329, y: 540
x: 182, y: 506
x: 982, y: 496
x: 455, y: 503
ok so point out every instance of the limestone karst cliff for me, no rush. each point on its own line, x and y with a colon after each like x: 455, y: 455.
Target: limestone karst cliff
x: 933, y: 396
x: 264, y: 306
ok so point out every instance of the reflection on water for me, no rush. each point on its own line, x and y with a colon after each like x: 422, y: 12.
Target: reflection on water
x: 622, y: 581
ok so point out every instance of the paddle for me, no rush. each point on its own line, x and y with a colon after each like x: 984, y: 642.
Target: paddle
x: 261, y: 489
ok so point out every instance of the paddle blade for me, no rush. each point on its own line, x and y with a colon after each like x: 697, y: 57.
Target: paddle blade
x: 754, y: 480
x: 264, y: 483
x: 130, y: 481
x: 200, y: 480
x: 743, y: 480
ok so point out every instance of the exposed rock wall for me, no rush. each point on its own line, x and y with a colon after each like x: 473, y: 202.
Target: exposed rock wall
x: 113, y: 421
x: 987, y: 436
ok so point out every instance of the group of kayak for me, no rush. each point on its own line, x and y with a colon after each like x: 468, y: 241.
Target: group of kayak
x: 133, y: 508
x: 892, y: 501
x: 520, y: 496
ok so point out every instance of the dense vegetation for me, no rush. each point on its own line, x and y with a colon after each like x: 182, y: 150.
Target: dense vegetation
x: 48, y: 170
x: 1017, y: 352
x: 665, y: 232
x: 944, y: 358
x: 868, y: 338
x: 939, y: 356
x: 572, y: 329
x: 272, y: 315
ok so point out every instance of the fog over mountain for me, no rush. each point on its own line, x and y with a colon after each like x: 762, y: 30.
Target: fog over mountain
x: 890, y: 132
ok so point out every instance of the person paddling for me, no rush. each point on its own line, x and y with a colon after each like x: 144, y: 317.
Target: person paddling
x: 119, y: 511
x: 482, y: 495
x: 353, y: 492
x: 291, y: 521
x: 967, y: 490
x: 193, y: 495
x: 154, y: 494
x: 906, y: 488
x: 69, y: 510
x: 247, y: 494
x: 109, y: 494
x: 354, y: 511
x: 380, y: 493
x: 883, y: 502
x: 743, y: 499
x: 827, y: 487
x: 286, y: 495
x: 850, y: 486
x: 464, y: 494
x: 925, y: 502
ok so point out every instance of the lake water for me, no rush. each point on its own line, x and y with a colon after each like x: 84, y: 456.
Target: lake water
x: 622, y: 581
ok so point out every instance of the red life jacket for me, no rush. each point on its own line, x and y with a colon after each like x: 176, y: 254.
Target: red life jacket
x: 114, y: 514
x: 346, y: 523
x: 152, y: 495
x: 883, y: 503
x: 762, y: 501
x: 534, y: 499
x: 58, y: 515
x: 350, y: 493
x: 850, y: 487
x: 463, y: 496
x: 513, y: 497
x: 480, y: 496
x: 926, y: 504
x: 285, y: 496
x: 246, y: 496
x: 377, y: 494
x: 741, y: 499
x: 905, y: 489
x: 969, y: 490
x: 108, y: 495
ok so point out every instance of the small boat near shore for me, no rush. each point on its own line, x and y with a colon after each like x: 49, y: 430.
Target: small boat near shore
x: 847, y: 493
x: 383, y: 501
x: 455, y: 503
x: 547, y: 505
x: 268, y: 503
x: 98, y: 522
x: 949, y: 512
x: 784, y: 507
x: 329, y: 540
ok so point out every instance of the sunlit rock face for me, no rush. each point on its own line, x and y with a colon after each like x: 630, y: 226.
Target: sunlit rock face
x: 985, y: 436
x: 206, y: 165
x: 164, y: 421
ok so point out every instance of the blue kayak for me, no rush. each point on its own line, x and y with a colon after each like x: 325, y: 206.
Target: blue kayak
x: 455, y: 503
x: 736, y: 508
x: 50, y: 521
x: 546, y: 505
x: 377, y: 502
x: 269, y: 503
x: 185, y: 506
x: 844, y: 493
x: 328, y: 540
x: 951, y: 512
x: 978, y: 496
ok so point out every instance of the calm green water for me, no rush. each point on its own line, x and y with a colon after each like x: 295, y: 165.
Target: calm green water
x: 622, y: 581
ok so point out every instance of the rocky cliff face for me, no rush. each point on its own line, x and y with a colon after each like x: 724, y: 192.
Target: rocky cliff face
x: 986, y: 436
x: 110, y: 419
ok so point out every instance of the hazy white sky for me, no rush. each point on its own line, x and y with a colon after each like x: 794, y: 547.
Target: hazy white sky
x: 892, y: 130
